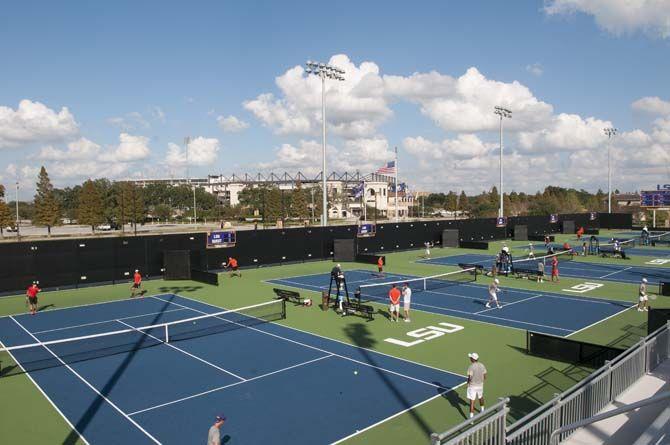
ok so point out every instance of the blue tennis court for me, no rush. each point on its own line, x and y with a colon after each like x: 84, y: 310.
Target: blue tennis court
x: 576, y: 269
x: 538, y: 311
x: 134, y: 387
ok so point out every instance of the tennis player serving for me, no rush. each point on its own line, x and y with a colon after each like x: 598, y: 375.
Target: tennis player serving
x: 31, y: 297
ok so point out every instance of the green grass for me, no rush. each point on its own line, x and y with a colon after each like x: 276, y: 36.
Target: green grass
x: 528, y: 381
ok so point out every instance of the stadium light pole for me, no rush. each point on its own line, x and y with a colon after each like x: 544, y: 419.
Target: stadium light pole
x: 331, y: 72
x: 610, y: 132
x: 502, y: 112
x: 18, y: 229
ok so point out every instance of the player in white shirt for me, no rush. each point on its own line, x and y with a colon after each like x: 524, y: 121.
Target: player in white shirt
x: 643, y: 303
x: 428, y: 245
x: 406, y: 299
x: 493, y: 293
x: 531, y: 250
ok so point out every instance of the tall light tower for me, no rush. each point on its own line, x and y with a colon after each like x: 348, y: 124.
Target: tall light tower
x: 502, y: 112
x: 610, y: 132
x: 331, y: 72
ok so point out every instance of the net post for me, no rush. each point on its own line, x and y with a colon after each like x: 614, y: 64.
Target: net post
x: 283, y: 309
x: 425, y: 284
x: 167, y: 336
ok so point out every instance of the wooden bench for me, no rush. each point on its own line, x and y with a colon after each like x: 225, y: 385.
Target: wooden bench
x: 289, y: 295
x: 355, y: 308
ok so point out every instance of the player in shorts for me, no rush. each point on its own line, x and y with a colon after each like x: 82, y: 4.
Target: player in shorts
x: 476, y: 378
x: 380, y: 267
x: 407, y: 300
x: 428, y: 245
x: 643, y: 303
x: 554, y: 268
x: 31, y: 297
x: 233, y: 267
x: 137, y: 284
x: 394, y: 308
x: 493, y: 293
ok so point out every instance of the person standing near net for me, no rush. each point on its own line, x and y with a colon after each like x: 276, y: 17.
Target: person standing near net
x: 476, y: 378
x: 137, y: 284
x: 380, y: 267
x: 31, y: 297
x: 394, y: 297
x: 493, y: 293
x: 643, y: 303
x: 233, y: 267
x: 214, y: 435
x: 406, y: 299
x: 645, y: 235
x: 554, y: 268
x: 540, y: 271
x: 531, y: 250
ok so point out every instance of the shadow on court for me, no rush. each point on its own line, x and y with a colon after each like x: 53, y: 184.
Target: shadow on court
x: 552, y: 381
x: 631, y: 336
x: 178, y: 289
x: 91, y: 411
x: 454, y: 399
x: 360, y: 335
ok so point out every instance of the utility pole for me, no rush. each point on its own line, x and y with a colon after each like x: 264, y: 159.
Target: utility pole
x: 18, y: 229
x: 610, y: 132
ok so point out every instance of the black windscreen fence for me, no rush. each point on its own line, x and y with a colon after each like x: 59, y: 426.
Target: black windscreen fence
x: 450, y: 238
x: 79, y: 262
x: 657, y: 318
x: 520, y: 233
x: 344, y: 250
x: 205, y: 277
x: 177, y: 265
x: 567, y: 350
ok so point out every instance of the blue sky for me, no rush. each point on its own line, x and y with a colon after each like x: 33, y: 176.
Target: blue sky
x: 138, y: 76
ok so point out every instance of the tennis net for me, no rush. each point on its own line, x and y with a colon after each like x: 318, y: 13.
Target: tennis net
x: 433, y: 282
x: 661, y: 238
x: 622, y: 243
x: 47, y: 354
x: 532, y: 263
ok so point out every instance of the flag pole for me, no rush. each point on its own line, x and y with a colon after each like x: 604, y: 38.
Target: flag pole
x: 365, y: 203
x: 396, y: 184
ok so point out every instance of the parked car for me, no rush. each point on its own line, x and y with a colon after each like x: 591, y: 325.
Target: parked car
x: 104, y: 227
x: 11, y: 229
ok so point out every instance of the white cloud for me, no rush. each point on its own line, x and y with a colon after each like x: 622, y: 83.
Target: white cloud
x: 80, y: 149
x: 201, y: 151
x: 535, y: 69
x: 34, y: 122
x: 231, y: 124
x: 620, y: 16
x: 130, y: 121
x: 652, y: 105
x: 565, y: 132
x: 465, y: 146
x: 131, y: 148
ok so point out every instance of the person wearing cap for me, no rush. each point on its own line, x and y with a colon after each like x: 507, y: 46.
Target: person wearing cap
x: 214, y: 435
x: 137, y: 283
x: 31, y: 297
x: 493, y: 293
x: 476, y: 377
x: 643, y: 303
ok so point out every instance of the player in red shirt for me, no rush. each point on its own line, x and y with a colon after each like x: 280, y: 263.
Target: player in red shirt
x: 233, y: 267
x: 554, y: 268
x: 394, y: 296
x: 31, y: 297
x: 137, y: 284
x: 380, y: 266
x: 580, y: 232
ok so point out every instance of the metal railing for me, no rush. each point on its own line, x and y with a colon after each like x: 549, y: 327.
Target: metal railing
x: 583, y: 401
x: 486, y: 427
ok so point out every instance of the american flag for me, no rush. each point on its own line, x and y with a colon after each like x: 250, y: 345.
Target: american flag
x: 388, y: 169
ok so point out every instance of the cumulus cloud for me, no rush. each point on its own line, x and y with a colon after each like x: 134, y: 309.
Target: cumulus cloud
x: 231, y: 124
x: 619, y: 16
x: 80, y: 149
x: 201, y: 151
x: 34, y: 122
x: 131, y: 148
x: 652, y: 105
x: 130, y: 121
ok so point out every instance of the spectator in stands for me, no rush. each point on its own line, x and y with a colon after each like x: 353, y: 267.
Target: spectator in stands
x: 476, y: 378
x: 406, y: 299
x: 214, y: 435
x: 137, y: 284
x: 31, y: 297
x: 394, y: 297
x: 643, y: 303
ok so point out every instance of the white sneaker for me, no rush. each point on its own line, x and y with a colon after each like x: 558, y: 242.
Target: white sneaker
x: 488, y: 305
x: 406, y: 320
x: 499, y: 307
x: 472, y: 415
x: 640, y: 310
x: 646, y: 309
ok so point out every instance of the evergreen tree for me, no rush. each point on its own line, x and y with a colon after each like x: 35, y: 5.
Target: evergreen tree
x: 272, y: 205
x: 91, y: 209
x: 47, y: 209
x: 299, y: 207
x: 451, y: 201
x: 463, y: 204
x: 130, y: 206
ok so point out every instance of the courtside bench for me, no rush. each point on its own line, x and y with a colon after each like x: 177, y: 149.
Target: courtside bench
x: 353, y: 307
x: 289, y: 295
x: 608, y: 251
x: 527, y: 272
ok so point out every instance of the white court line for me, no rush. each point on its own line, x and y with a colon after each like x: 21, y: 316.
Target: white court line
x: 510, y: 304
x: 105, y: 321
x: 186, y: 352
x: 112, y: 404
x: 218, y: 308
x: 600, y: 321
x: 220, y: 388
x: 318, y: 349
x: 618, y: 271
x: 81, y: 436
x: 398, y: 413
